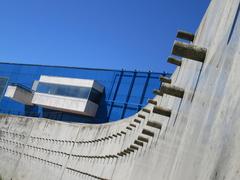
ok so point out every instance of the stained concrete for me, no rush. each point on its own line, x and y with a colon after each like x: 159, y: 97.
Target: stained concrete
x: 200, y: 140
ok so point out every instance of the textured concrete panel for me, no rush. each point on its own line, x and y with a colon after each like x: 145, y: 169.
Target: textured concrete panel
x: 198, y: 139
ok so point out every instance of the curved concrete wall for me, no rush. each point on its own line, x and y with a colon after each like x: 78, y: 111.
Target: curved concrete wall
x: 197, y: 139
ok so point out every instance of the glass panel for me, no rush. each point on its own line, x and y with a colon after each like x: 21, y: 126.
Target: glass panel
x: 64, y: 90
x: 95, y: 96
x: 3, y: 84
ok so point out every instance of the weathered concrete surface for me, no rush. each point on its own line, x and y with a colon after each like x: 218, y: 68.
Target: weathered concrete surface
x: 200, y: 139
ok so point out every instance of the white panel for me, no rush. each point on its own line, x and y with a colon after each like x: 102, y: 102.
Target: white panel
x: 19, y: 94
x: 67, y: 81
x: 67, y: 104
x: 10, y: 91
x: 98, y: 87
x: 91, y: 108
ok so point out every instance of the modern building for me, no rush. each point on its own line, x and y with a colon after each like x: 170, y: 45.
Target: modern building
x: 74, y: 94
x: 189, y: 131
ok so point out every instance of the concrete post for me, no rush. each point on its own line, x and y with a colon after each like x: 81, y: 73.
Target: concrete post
x: 133, y: 147
x: 133, y: 125
x: 151, y: 101
x: 141, y: 116
x: 143, y: 139
x: 128, y: 128
x: 174, y: 61
x: 139, y: 143
x: 172, y: 90
x: 154, y: 124
x: 146, y: 110
x: 148, y: 132
x: 185, y: 35
x: 162, y: 111
x: 189, y: 51
x: 157, y: 92
x: 137, y: 121
x: 165, y: 79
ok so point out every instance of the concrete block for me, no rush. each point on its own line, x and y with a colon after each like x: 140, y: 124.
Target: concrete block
x: 154, y: 124
x: 123, y: 132
x: 133, y: 125
x: 146, y: 110
x: 172, y: 90
x: 134, y: 147
x: 162, y: 111
x: 151, y: 101
x: 174, y: 61
x: 128, y: 128
x: 189, y: 51
x: 139, y: 143
x: 185, y: 35
x: 165, y: 79
x: 141, y: 116
x: 137, y: 121
x: 148, y: 132
x: 157, y: 92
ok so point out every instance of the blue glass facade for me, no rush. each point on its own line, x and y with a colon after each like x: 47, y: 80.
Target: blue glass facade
x: 125, y: 92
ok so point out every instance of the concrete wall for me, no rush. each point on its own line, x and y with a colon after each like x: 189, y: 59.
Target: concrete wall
x: 200, y: 139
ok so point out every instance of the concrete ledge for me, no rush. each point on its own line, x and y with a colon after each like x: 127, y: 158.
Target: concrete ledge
x: 154, y: 124
x: 146, y: 110
x: 157, y: 92
x: 133, y: 125
x: 185, y: 35
x: 165, y: 79
x: 172, y: 90
x: 128, y: 128
x: 139, y: 143
x: 134, y: 147
x: 143, y: 139
x: 189, y: 51
x: 151, y: 101
x: 141, y: 116
x: 137, y: 121
x: 148, y: 132
x: 174, y: 61
x: 123, y: 132
x: 162, y: 111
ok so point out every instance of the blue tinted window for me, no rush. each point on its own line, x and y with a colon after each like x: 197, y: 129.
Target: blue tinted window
x: 95, y: 96
x: 123, y: 95
x: 63, y: 90
x: 3, y: 84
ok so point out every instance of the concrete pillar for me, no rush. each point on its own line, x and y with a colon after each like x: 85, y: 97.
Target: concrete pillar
x: 157, y: 92
x: 151, y: 101
x: 162, y: 111
x: 154, y: 124
x: 133, y: 125
x: 174, y: 61
x: 139, y: 143
x: 130, y: 150
x: 165, y: 79
x: 185, y: 35
x: 141, y: 116
x: 128, y: 128
x: 134, y: 147
x: 137, y: 121
x: 123, y: 132
x: 146, y: 110
x: 189, y: 51
x: 143, y: 139
x: 172, y: 90
x: 148, y: 132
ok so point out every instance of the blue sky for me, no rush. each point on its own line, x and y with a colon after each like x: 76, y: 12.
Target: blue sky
x: 112, y: 34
